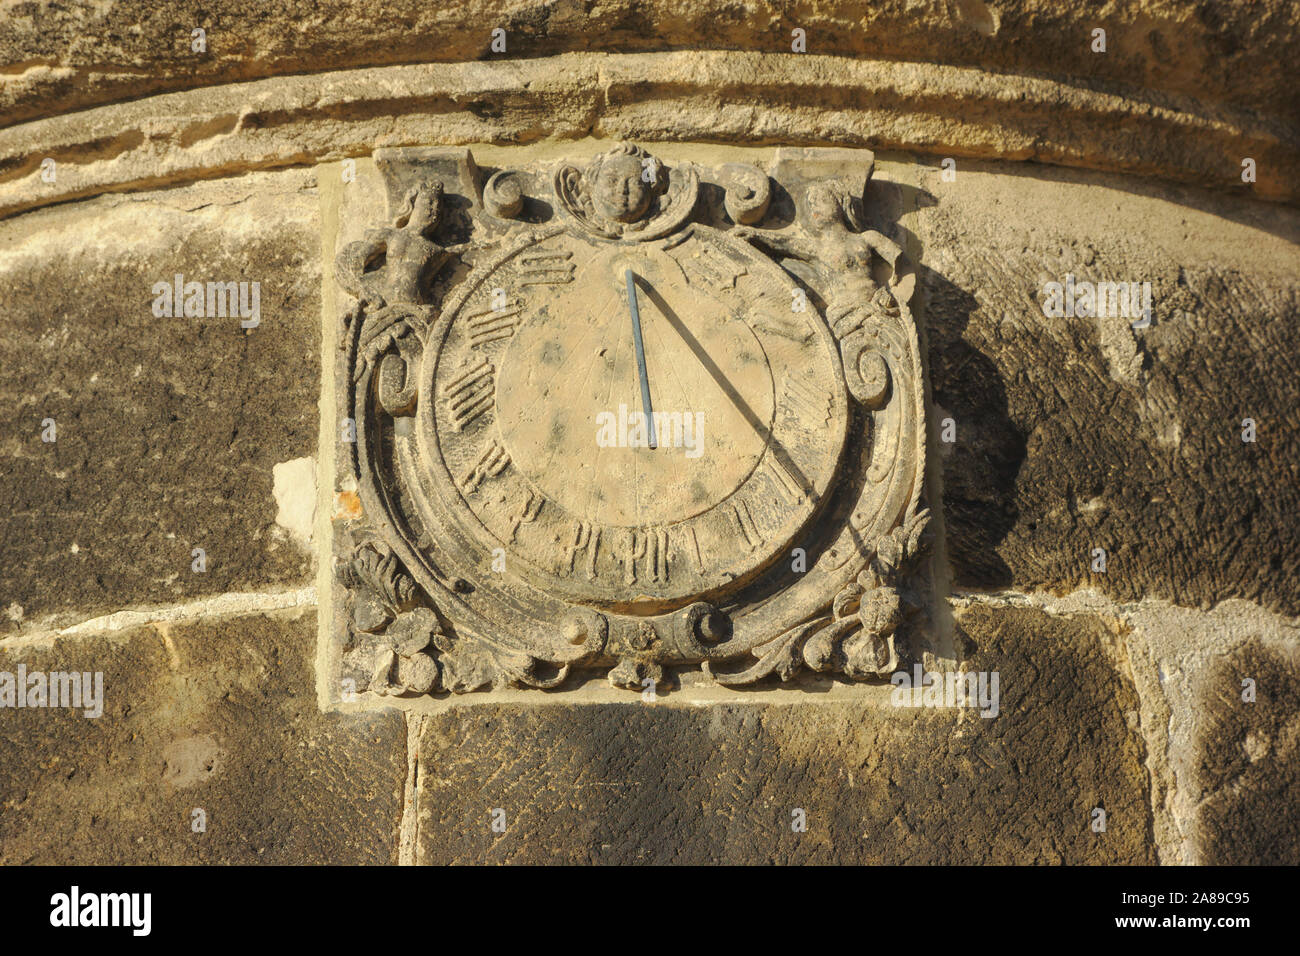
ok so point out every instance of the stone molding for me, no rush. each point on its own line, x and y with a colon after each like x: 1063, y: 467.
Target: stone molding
x: 81, y: 53
x: 931, y: 109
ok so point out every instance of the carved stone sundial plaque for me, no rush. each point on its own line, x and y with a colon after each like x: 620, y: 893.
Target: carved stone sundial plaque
x: 623, y: 416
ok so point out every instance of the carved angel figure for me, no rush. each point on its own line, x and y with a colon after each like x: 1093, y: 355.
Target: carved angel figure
x: 857, y: 272
x: 395, y: 264
x: 847, y: 257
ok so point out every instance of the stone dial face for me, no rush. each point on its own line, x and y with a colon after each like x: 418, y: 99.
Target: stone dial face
x: 537, y: 417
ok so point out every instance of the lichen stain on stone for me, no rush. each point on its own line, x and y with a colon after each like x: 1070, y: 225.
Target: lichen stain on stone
x: 347, y: 506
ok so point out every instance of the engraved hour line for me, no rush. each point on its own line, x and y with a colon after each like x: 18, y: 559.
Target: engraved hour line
x: 586, y: 538
x: 531, y: 509
x: 491, y: 463
x: 775, y: 322
x: 613, y: 375
x: 739, y: 512
x: 469, y: 394
x: 592, y: 330
x: 537, y: 271
x: 775, y: 316
x: 492, y: 324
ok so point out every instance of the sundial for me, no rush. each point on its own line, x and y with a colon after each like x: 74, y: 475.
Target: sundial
x: 625, y: 416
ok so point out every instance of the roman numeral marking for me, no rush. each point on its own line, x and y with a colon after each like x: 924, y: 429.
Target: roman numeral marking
x: 657, y: 546
x: 546, y: 268
x: 531, y: 509
x: 492, y: 324
x: 694, y: 550
x: 586, y: 538
x: 469, y: 394
x: 744, y: 522
x: 786, y: 485
x: 491, y: 463
x: 715, y: 269
x: 629, y: 557
x: 651, y: 546
x: 807, y: 401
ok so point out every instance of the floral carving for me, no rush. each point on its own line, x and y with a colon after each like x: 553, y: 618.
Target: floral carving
x: 469, y: 664
x: 391, y: 630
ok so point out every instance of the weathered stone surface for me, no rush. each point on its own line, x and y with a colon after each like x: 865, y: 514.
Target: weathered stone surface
x: 168, y: 429
x: 675, y: 783
x: 1222, y: 770
x: 1247, y: 793
x: 71, y: 55
x: 219, y: 716
x: 1078, y: 433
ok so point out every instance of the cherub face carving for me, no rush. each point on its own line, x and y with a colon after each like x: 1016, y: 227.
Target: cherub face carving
x: 626, y: 192
x: 617, y: 189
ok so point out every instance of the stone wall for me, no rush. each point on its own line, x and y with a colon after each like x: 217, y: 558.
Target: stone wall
x: 1162, y: 690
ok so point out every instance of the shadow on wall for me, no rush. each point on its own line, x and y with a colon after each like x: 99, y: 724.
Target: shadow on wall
x: 979, y: 470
